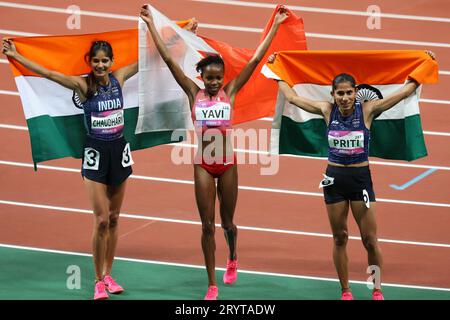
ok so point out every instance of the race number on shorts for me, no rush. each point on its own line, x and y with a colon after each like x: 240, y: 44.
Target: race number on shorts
x: 366, y: 198
x: 91, y: 159
x: 126, y: 157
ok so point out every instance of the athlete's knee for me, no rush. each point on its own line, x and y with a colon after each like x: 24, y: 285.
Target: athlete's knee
x: 113, y: 219
x: 340, y: 238
x: 102, y: 224
x: 370, y: 242
x: 208, y: 228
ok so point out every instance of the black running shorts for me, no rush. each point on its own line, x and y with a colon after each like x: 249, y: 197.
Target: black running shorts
x: 107, y: 162
x: 348, y: 184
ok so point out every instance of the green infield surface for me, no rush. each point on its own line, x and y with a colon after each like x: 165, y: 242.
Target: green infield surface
x: 39, y: 274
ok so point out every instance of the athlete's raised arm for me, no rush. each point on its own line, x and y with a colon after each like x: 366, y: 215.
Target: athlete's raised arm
x: 189, y: 86
x: 71, y: 82
x: 376, y: 107
x: 236, y: 84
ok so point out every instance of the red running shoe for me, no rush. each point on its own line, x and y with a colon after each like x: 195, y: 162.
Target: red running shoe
x: 212, y: 293
x: 230, y: 276
x: 347, y: 295
x: 99, y: 291
x: 377, y: 295
x: 112, y: 285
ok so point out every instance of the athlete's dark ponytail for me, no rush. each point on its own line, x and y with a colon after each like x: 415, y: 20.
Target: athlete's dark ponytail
x: 96, y: 46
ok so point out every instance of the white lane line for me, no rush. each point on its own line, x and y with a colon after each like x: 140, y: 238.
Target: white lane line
x: 249, y: 188
x: 9, y: 93
x: 266, y: 153
x: 377, y: 40
x: 237, y: 3
x: 20, y: 33
x: 229, y: 28
x: 191, y: 222
x: 223, y: 27
x: 284, y: 275
x: 325, y: 10
x: 435, y: 101
x: 333, y: 36
x: 64, y: 11
x: 9, y: 126
x: 433, y: 133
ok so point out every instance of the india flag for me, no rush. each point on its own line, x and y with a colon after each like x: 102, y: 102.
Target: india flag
x: 395, y: 134
x: 56, y: 126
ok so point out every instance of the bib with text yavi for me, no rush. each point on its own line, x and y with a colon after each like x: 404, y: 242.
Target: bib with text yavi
x: 213, y: 113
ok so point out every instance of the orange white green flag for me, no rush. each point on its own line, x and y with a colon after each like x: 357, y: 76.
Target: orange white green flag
x: 55, y: 125
x: 395, y: 134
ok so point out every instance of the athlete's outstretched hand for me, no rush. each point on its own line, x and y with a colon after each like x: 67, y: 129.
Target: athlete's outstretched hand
x: 8, y: 48
x: 281, y: 15
x: 146, y: 15
x: 431, y: 54
x: 192, y: 26
x: 272, y: 57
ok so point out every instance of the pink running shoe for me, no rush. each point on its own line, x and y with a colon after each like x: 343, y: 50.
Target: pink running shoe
x: 111, y: 285
x: 347, y: 295
x: 212, y: 293
x: 99, y: 291
x: 377, y: 295
x: 230, y: 276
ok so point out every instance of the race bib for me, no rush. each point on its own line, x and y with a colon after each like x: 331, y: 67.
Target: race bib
x: 107, y: 122
x: 213, y: 115
x: 91, y: 159
x: 346, y: 142
x: 127, y: 160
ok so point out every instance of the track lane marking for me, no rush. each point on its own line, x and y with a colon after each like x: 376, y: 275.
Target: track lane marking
x: 224, y: 27
x: 413, y: 181
x: 326, y: 10
x: 192, y: 222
